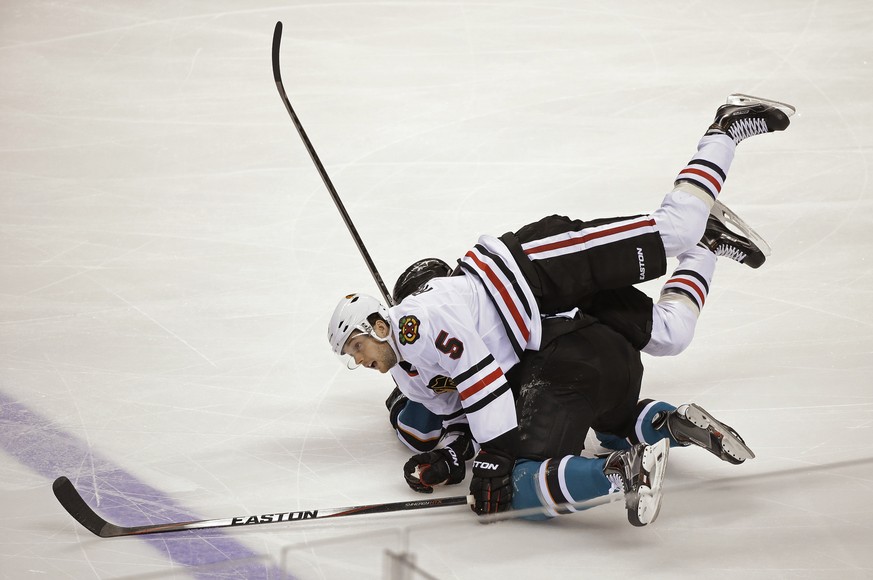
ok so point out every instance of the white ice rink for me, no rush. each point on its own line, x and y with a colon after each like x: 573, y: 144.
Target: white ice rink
x: 169, y: 259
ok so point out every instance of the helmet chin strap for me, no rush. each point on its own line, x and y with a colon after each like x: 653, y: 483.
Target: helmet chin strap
x: 393, y: 344
x: 367, y: 329
x: 379, y: 338
x: 387, y: 339
x: 370, y: 330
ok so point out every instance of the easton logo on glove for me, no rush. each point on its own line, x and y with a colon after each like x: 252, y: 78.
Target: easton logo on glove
x: 486, y: 465
x: 491, y: 486
x: 454, y: 455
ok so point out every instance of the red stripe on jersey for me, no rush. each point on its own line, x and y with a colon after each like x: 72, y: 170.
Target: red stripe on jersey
x: 589, y: 237
x: 504, y: 293
x: 480, y: 384
x: 697, y: 289
x: 704, y: 175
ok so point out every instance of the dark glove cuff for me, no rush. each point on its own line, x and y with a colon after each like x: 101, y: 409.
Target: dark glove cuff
x: 490, y: 464
x: 463, y: 444
x: 395, y: 403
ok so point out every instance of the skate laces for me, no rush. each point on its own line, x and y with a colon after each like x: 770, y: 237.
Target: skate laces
x: 743, y: 128
x: 729, y: 251
x: 616, y: 483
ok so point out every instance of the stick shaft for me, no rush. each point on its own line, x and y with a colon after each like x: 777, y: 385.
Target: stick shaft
x: 277, y: 76
x: 71, y: 500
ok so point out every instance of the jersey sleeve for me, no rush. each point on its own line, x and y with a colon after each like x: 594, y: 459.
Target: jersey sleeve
x: 441, y: 341
x: 415, y: 386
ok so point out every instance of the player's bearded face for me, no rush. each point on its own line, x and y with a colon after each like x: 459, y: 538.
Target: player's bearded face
x: 371, y: 353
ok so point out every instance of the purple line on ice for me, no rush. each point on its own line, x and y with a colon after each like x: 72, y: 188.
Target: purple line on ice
x: 123, y: 499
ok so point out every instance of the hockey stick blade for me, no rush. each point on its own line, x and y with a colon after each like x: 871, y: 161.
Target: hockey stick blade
x: 72, y: 501
x: 277, y: 77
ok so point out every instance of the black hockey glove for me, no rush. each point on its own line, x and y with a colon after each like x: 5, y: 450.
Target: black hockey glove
x: 446, y: 465
x: 491, y: 485
x: 434, y: 467
x: 395, y: 403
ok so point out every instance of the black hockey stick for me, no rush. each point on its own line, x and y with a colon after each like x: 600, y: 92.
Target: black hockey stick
x: 70, y: 499
x: 277, y: 76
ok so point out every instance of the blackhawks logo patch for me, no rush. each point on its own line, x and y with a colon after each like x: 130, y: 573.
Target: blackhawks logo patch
x: 409, y: 329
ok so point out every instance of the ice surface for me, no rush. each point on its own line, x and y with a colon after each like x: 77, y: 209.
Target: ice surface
x: 169, y: 259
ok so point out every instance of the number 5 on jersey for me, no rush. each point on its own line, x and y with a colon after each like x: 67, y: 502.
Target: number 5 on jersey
x: 449, y: 345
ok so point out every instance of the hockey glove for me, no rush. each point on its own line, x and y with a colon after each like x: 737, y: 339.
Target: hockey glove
x: 491, y: 485
x: 446, y: 465
x: 434, y: 467
x: 395, y: 403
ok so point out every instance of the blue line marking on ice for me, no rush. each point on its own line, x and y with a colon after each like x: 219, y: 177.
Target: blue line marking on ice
x: 120, y: 497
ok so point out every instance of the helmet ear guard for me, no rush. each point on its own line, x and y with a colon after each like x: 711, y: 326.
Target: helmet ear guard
x: 351, y: 315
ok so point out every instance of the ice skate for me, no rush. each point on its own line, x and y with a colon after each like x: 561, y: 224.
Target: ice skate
x: 692, y: 424
x: 744, y: 116
x: 722, y: 241
x: 639, y: 473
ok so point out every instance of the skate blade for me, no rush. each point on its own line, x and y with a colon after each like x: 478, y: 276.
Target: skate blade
x: 740, y: 99
x: 727, y: 216
x: 730, y: 444
x: 649, y: 498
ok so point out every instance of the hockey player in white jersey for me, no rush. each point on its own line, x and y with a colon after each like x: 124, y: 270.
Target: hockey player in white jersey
x: 475, y: 328
x: 444, y: 444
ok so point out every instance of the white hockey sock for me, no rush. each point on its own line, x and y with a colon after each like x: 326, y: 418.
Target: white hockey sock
x: 674, y: 316
x: 682, y: 216
x: 709, y: 167
x: 691, y: 279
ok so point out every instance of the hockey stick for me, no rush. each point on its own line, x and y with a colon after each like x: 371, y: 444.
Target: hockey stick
x: 277, y: 76
x: 72, y: 501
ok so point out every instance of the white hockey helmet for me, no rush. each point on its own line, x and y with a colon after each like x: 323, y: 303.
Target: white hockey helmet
x: 350, y: 315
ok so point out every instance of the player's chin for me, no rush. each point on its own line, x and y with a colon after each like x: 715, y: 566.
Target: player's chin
x: 377, y: 365
x: 388, y: 362
x: 384, y: 365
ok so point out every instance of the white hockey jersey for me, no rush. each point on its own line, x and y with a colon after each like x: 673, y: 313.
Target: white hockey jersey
x: 472, y: 328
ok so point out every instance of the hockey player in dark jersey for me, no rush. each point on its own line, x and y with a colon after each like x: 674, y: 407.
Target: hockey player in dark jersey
x: 476, y: 327
x: 555, y: 484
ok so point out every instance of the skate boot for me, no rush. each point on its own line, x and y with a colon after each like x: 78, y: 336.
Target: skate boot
x: 639, y: 473
x: 692, y: 424
x: 721, y: 241
x: 744, y: 116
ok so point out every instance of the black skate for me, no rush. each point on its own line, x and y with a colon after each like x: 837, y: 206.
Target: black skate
x: 692, y: 424
x: 744, y: 116
x: 722, y: 241
x: 639, y: 473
